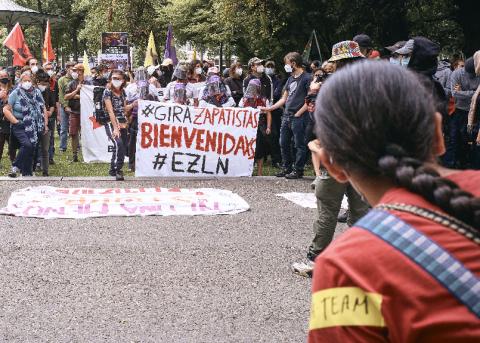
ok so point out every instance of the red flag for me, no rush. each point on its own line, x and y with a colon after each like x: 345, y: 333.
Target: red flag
x: 16, y: 42
x: 48, y: 54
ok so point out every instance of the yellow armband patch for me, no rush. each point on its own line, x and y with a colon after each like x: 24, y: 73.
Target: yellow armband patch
x: 345, y: 306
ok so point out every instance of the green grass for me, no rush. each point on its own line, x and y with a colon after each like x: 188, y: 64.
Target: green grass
x: 64, y: 166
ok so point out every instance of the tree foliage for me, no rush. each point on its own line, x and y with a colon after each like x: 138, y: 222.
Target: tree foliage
x: 265, y: 28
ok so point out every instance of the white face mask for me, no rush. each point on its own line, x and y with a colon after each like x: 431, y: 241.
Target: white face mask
x: 74, y: 75
x: 26, y: 85
x: 34, y: 69
x: 239, y: 71
x: 288, y: 68
x: 260, y: 69
x: 198, y: 71
x: 117, y: 83
x: 42, y: 88
x: 50, y: 73
x: 269, y: 71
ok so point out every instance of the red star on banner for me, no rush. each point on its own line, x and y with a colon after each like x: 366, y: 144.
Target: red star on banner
x: 96, y: 125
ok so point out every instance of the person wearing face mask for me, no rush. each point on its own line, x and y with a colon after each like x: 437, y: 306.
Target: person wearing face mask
x: 33, y: 64
x: 73, y: 98
x: 116, y: 105
x: 293, y: 120
x: 27, y: 113
x: 64, y: 116
x: 5, y: 89
x: 156, y: 76
x: 235, y: 81
x: 179, y: 91
x: 42, y: 153
x: 256, y: 70
x: 167, y: 70
x: 50, y: 70
x: 195, y: 72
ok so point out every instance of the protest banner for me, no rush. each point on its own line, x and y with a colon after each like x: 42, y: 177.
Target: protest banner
x: 176, y: 140
x: 49, y: 202
x: 96, y: 147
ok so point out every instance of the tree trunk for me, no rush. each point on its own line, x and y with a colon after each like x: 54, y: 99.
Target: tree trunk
x: 221, y: 58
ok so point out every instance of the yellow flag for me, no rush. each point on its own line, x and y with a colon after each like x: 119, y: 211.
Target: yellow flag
x: 86, y: 66
x: 151, y: 55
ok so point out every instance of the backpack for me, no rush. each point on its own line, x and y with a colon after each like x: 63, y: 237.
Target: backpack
x: 101, y: 116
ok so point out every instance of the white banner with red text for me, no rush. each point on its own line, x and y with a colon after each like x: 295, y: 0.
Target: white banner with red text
x: 176, y: 140
x: 52, y: 202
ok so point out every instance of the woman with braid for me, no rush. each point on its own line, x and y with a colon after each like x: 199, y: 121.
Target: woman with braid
x: 409, y: 270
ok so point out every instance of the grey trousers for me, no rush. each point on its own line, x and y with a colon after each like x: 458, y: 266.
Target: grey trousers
x: 329, y: 194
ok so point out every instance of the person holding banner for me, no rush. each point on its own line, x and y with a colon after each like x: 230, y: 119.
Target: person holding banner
x: 253, y: 98
x: 216, y: 94
x: 179, y: 91
x: 114, y: 98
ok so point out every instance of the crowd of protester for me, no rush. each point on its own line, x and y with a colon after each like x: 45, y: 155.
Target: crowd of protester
x: 385, y: 128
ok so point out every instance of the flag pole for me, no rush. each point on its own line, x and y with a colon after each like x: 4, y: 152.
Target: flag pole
x: 318, y: 46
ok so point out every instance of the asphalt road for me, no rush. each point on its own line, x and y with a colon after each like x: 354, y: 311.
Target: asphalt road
x: 158, y: 279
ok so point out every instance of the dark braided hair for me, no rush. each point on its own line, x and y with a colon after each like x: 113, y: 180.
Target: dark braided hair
x: 375, y: 119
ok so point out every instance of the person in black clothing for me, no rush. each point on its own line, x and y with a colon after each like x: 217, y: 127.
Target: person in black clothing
x: 100, y: 79
x: 5, y: 88
x: 235, y: 81
x: 43, y: 84
x: 273, y: 138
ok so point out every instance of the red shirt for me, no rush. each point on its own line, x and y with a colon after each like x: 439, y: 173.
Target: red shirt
x: 364, y: 290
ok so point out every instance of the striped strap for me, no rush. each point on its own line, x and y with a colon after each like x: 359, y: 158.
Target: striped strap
x: 442, y: 266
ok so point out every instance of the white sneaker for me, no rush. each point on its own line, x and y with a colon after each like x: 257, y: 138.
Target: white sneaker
x: 14, y: 172
x: 304, y: 268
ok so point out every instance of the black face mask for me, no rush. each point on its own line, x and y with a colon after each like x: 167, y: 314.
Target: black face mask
x: 4, y: 81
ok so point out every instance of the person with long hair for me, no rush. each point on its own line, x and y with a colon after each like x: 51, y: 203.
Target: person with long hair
x: 409, y: 270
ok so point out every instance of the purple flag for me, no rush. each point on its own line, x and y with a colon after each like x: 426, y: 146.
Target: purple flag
x: 170, y: 51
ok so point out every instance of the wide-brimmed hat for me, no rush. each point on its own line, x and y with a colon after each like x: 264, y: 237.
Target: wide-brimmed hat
x: 180, y: 72
x: 167, y: 62
x: 344, y: 50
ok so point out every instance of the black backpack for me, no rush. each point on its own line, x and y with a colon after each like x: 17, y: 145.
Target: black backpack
x: 101, y: 116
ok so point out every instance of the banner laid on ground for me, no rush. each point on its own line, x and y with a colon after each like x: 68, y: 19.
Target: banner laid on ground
x: 175, y: 140
x: 51, y: 202
x: 307, y: 200
x: 96, y: 147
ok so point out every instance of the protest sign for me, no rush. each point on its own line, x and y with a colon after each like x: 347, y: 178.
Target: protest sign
x: 115, y: 50
x: 51, y: 202
x: 96, y: 147
x: 176, y: 140
x: 307, y: 200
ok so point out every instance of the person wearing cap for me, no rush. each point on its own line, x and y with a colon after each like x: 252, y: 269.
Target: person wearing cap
x: 365, y: 43
x: 294, y: 122
x: 167, y: 69
x: 402, y: 55
x: 392, y: 48
x: 179, y: 91
x: 73, y: 97
x: 156, y: 77
x: 329, y: 192
x: 256, y: 70
x: 63, y: 115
